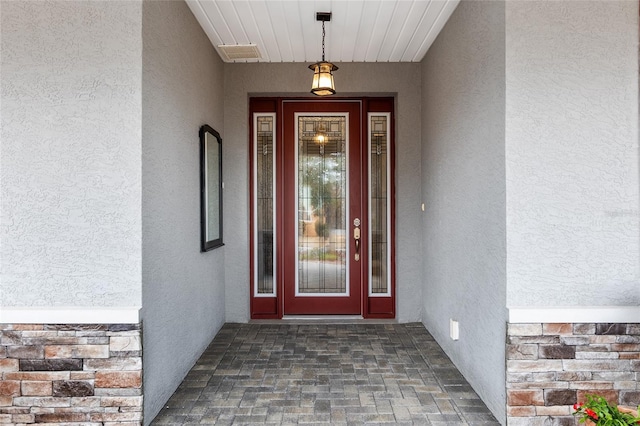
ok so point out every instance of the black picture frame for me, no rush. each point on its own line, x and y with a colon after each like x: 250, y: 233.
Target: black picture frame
x: 211, y: 189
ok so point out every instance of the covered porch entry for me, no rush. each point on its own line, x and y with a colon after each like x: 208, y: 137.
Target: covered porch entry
x: 319, y: 372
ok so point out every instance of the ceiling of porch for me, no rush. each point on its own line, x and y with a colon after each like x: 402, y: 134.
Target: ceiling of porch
x: 287, y: 30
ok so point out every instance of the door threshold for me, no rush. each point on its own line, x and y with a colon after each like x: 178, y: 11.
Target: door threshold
x: 323, y: 319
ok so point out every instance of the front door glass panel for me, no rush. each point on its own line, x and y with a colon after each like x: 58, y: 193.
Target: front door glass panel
x: 322, y: 191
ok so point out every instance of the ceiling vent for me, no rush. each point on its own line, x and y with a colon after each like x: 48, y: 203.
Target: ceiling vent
x: 239, y: 52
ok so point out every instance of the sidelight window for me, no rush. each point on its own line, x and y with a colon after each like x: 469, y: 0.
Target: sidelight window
x: 264, y: 208
x: 380, y: 206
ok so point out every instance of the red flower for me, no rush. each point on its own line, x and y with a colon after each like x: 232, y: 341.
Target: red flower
x: 591, y: 413
x: 577, y: 406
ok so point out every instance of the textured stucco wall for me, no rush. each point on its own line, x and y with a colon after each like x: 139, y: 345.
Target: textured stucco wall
x: 572, y: 153
x: 463, y: 227
x: 241, y: 80
x: 183, y: 289
x: 70, y: 153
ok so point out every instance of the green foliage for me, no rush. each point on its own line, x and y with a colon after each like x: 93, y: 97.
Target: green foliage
x: 600, y: 412
x: 321, y: 254
x: 323, y: 177
x: 322, y: 230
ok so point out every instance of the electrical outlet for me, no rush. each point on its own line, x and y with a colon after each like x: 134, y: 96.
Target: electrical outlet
x: 454, y: 329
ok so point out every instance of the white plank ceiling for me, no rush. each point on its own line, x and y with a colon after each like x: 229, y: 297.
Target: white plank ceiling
x: 359, y: 30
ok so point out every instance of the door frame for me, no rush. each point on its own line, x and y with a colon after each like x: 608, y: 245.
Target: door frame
x: 271, y: 306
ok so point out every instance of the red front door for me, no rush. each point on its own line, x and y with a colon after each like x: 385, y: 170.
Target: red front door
x: 322, y: 207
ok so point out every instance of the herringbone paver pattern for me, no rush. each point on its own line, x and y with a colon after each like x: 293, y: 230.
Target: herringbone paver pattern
x: 324, y: 374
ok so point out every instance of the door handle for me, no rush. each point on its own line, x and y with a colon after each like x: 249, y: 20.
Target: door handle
x: 356, y: 237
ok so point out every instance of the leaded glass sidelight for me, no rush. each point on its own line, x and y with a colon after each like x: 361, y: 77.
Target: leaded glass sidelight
x: 264, y: 213
x: 321, y: 204
x: 379, y: 206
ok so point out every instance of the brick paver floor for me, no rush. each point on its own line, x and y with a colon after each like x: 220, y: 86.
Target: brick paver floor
x: 324, y: 374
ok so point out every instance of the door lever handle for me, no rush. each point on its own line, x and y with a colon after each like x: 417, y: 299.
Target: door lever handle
x: 356, y: 237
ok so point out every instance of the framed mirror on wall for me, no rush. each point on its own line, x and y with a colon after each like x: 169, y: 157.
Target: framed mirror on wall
x: 211, y: 187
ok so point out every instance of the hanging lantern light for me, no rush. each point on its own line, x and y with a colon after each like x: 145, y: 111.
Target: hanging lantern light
x: 323, y: 84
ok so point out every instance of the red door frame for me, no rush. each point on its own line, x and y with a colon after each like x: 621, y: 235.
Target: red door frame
x: 273, y: 307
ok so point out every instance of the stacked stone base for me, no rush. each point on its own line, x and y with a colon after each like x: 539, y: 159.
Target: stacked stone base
x: 552, y: 366
x: 89, y: 374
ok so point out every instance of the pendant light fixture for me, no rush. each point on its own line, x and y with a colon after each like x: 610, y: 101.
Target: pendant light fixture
x: 322, y: 71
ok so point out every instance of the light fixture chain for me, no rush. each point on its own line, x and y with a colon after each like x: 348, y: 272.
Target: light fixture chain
x: 322, y: 41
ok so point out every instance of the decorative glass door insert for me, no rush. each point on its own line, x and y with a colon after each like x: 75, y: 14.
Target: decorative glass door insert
x: 322, y: 250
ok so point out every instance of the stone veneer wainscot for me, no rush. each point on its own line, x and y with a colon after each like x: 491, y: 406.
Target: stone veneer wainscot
x: 551, y: 366
x: 90, y: 374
